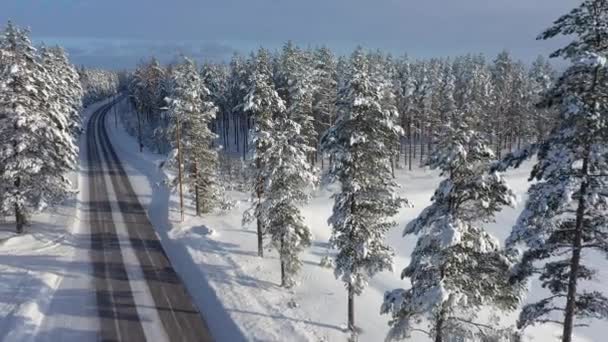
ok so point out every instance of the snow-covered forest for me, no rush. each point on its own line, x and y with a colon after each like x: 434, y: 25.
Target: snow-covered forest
x: 297, y: 118
x: 492, y: 171
x: 40, y: 101
x: 500, y: 93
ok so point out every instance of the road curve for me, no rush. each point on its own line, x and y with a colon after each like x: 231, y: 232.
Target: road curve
x: 139, y: 296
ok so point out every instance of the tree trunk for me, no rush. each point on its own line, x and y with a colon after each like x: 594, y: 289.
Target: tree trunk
x: 322, y: 161
x: 244, y: 125
x: 429, y: 139
x: 576, y: 258
x: 259, y: 192
x: 260, y: 239
x: 18, y: 213
x: 422, y: 143
x: 236, y: 134
x: 141, y: 143
x: 398, y: 154
x: 18, y: 219
x: 351, y: 308
x: 197, y: 190
x: 180, y: 162
x: 409, y: 155
x: 519, y: 143
x: 283, y: 280
x: 439, y: 327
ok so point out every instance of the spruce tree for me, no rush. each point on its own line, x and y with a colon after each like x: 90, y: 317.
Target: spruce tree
x: 360, y: 143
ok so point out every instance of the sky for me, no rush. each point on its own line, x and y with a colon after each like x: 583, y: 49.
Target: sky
x: 119, y: 33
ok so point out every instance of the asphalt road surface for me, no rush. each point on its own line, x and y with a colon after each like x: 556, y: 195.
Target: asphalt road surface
x: 133, y: 292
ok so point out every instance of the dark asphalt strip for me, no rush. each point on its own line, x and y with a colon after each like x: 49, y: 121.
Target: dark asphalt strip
x: 180, y: 317
x: 116, y: 307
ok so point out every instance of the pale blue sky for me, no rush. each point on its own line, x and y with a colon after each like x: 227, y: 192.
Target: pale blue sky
x: 117, y: 33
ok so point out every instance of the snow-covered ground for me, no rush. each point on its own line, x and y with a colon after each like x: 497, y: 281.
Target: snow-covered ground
x: 239, y: 293
x: 33, y: 264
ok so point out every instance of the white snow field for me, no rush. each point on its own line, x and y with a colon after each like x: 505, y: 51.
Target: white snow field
x: 239, y: 293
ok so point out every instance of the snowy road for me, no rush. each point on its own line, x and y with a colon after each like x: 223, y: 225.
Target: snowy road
x: 129, y: 290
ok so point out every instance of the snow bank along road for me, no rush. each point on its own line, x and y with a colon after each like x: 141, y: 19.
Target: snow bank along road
x: 138, y: 295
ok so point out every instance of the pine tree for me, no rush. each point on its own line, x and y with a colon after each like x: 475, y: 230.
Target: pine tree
x: 215, y: 79
x: 383, y: 72
x: 521, y: 129
x: 565, y: 214
x: 36, y: 146
x: 238, y: 88
x: 360, y: 143
x: 404, y: 88
x: 263, y: 103
x: 66, y: 84
x: 192, y: 113
x: 288, y: 176
x: 503, y: 74
x: 294, y: 84
x: 420, y: 103
x: 325, y: 85
x: 447, y: 89
x: 97, y: 84
x: 541, y: 78
x: 457, y: 267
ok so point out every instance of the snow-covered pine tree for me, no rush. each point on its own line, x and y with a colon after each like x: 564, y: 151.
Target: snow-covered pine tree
x: 148, y: 88
x: 288, y: 164
x: 237, y: 90
x: 432, y: 122
x: 288, y: 177
x: 521, y: 131
x: 565, y: 214
x: 66, y: 84
x: 404, y: 88
x: 478, y: 96
x: 457, y: 267
x: 97, y: 84
x: 36, y: 146
x: 503, y: 74
x: 296, y: 88
x: 153, y: 97
x: 360, y: 143
x: 325, y: 85
x: 420, y: 102
x: 446, y: 91
x: 541, y: 77
x: 215, y: 79
x: 192, y: 115
x: 263, y: 103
